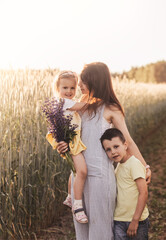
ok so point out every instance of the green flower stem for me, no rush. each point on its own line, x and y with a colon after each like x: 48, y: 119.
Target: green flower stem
x: 70, y: 161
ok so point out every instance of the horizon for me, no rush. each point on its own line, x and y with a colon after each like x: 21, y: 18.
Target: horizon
x: 55, y: 68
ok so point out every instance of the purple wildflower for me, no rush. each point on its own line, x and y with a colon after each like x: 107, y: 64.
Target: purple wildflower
x: 58, y: 124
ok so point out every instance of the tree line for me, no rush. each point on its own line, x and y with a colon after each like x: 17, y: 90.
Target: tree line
x: 153, y: 72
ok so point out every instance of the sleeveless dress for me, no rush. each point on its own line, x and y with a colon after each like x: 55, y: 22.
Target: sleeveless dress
x: 100, y: 186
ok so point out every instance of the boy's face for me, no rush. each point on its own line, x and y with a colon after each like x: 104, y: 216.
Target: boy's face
x: 115, y: 149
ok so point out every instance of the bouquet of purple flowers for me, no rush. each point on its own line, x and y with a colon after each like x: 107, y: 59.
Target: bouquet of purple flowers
x: 60, y: 125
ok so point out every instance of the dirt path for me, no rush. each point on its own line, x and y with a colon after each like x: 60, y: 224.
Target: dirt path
x: 154, y: 151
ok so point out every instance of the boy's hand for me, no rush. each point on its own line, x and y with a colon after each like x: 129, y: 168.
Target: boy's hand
x: 132, y: 229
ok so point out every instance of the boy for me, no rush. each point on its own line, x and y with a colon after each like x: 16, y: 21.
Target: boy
x: 131, y: 213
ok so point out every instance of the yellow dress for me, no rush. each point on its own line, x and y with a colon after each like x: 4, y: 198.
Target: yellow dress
x: 76, y: 146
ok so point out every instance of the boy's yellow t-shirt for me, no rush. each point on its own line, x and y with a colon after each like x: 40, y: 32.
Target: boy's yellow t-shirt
x: 127, y: 195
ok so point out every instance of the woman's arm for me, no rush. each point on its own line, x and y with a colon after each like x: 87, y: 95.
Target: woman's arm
x: 113, y: 115
x: 119, y: 122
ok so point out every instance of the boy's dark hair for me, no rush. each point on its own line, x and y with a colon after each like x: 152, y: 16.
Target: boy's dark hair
x: 111, y: 133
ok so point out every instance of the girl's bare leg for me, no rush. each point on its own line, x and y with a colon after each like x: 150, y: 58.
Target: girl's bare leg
x: 81, y: 173
x: 79, y: 181
x: 68, y: 201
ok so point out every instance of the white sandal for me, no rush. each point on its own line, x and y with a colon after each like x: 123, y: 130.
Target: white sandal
x: 81, y: 218
x: 68, y: 202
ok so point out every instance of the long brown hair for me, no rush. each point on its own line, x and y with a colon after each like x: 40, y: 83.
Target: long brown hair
x: 96, y: 76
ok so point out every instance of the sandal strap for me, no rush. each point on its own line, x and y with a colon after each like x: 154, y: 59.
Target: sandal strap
x: 78, y: 210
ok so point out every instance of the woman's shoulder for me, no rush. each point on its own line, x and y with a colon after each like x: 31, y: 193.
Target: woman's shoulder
x: 112, y: 108
x: 110, y: 111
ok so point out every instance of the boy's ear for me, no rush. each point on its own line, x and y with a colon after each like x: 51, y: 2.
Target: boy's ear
x: 126, y: 145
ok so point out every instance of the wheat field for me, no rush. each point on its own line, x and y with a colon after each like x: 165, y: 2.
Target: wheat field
x: 33, y: 178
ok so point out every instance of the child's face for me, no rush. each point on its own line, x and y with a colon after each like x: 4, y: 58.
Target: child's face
x: 67, y: 88
x: 115, y: 149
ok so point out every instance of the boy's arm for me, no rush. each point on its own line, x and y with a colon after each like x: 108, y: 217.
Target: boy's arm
x: 142, y: 199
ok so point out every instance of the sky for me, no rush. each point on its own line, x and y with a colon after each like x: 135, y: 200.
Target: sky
x: 67, y: 34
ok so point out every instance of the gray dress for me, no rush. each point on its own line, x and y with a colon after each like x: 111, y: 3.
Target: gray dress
x: 100, y: 186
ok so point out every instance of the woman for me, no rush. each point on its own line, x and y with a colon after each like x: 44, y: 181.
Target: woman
x: 103, y: 111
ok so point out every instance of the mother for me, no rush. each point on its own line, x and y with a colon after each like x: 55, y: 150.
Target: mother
x: 100, y: 188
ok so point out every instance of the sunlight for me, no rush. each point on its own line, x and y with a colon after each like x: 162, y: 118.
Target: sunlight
x: 68, y: 34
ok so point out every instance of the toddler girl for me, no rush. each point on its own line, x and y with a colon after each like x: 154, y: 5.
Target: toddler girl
x: 65, y: 85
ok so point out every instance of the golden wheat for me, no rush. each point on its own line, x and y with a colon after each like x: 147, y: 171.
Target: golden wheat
x: 33, y: 177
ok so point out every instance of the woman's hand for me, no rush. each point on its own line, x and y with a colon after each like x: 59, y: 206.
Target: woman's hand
x: 62, y: 147
x: 148, y: 175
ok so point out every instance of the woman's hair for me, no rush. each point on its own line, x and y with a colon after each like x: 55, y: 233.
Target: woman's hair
x: 96, y: 76
x: 66, y: 75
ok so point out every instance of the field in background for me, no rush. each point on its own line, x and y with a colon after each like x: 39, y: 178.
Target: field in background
x: 33, y: 179
x: 144, y: 106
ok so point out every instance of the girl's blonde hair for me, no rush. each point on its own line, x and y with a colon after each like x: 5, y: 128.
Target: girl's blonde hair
x: 66, y: 75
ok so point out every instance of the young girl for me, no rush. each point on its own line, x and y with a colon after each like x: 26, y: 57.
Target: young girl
x: 65, y: 85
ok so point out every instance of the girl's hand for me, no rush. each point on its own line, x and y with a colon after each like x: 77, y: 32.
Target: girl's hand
x: 62, y: 147
x: 132, y: 229
x: 148, y: 175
